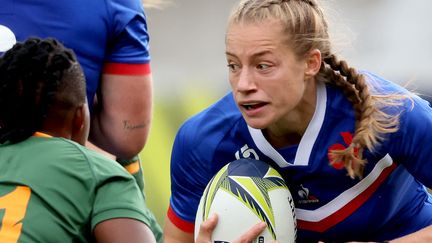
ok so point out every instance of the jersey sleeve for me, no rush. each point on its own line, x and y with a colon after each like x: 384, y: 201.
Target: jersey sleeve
x: 413, y: 140
x: 116, y: 194
x: 129, y: 45
x: 189, y: 175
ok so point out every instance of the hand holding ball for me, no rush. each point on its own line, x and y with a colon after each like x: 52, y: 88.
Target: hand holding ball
x: 244, y: 193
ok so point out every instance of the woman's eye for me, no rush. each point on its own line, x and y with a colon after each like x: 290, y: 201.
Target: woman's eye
x: 232, y: 67
x: 262, y: 66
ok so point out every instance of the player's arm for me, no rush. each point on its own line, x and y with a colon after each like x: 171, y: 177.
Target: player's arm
x: 123, y: 230
x: 173, y: 234
x: 122, y: 113
x: 207, y: 227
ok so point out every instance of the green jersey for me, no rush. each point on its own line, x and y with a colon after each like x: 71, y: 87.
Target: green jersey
x: 55, y: 190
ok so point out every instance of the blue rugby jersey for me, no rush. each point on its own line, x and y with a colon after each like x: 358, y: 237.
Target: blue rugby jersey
x: 107, y: 36
x: 390, y: 201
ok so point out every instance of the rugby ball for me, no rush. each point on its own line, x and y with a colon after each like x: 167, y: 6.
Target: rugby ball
x: 243, y: 193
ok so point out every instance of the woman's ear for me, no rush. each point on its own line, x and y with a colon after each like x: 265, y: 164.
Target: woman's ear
x: 313, y: 63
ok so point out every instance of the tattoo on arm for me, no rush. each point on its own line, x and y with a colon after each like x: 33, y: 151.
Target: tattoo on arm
x: 128, y: 126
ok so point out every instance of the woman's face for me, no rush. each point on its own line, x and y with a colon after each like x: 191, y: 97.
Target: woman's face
x: 267, y: 79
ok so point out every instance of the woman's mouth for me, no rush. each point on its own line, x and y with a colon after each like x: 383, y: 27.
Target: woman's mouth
x: 252, y: 106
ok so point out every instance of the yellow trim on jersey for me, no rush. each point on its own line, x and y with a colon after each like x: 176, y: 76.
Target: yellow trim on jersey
x: 133, y: 168
x: 41, y: 134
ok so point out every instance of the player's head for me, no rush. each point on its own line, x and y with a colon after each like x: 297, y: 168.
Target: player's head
x: 42, y: 88
x: 273, y: 48
x: 277, y: 50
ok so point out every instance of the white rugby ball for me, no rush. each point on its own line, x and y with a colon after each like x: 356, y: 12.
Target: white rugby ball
x: 243, y: 193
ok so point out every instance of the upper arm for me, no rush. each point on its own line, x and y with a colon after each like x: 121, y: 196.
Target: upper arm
x: 172, y: 234
x: 122, y: 112
x: 123, y: 230
x: 189, y: 176
x: 121, y: 121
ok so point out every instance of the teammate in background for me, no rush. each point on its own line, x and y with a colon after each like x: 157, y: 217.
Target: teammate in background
x: 52, y: 189
x: 353, y: 147
x: 111, y: 42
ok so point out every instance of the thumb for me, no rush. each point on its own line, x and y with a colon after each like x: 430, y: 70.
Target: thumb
x: 206, y: 229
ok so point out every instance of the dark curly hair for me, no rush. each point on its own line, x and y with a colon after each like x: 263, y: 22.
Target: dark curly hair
x: 37, y: 77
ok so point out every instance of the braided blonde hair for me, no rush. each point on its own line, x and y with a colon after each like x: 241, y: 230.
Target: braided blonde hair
x: 306, y: 29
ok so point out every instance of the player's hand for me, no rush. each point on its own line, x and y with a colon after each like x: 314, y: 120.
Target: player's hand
x: 207, y: 227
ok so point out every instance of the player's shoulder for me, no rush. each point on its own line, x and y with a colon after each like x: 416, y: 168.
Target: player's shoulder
x: 413, y: 111
x: 79, y: 156
x: 382, y: 86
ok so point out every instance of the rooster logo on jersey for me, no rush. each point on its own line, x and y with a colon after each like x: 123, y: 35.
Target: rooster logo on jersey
x: 347, y: 138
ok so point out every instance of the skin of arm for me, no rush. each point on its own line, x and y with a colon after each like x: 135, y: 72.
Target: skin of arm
x: 172, y: 234
x: 123, y: 230
x: 121, y: 114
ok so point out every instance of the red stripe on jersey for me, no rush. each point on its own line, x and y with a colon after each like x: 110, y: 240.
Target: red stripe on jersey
x: 127, y: 68
x: 347, y: 210
x: 180, y: 223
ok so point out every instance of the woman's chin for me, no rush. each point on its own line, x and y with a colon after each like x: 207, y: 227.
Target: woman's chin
x: 257, y: 123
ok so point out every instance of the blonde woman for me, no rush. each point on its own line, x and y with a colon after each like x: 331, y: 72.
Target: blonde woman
x: 353, y: 147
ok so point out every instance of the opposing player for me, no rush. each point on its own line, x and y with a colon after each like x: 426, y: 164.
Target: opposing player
x: 353, y: 147
x: 111, y: 41
x: 52, y: 189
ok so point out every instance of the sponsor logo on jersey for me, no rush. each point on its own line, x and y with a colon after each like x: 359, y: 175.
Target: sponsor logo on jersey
x: 247, y: 153
x: 305, y: 197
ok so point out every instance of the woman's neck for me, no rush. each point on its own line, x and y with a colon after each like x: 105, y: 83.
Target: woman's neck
x: 289, y: 130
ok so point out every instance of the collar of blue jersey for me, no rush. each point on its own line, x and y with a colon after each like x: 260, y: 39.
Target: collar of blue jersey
x: 306, y: 143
